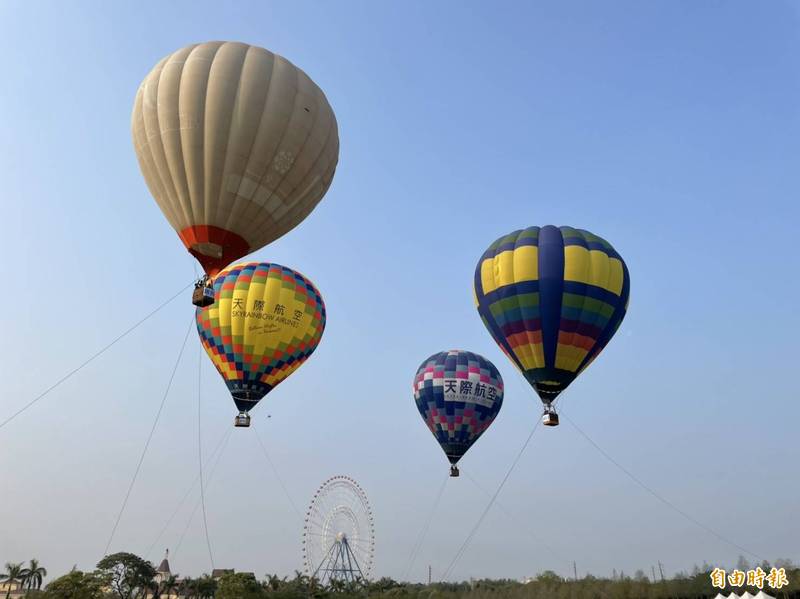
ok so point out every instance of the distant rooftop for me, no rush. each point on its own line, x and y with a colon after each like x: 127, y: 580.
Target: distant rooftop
x: 220, y: 572
x: 163, y: 568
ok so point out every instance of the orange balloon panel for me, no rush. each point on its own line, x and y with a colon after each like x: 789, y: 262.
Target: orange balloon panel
x: 236, y: 144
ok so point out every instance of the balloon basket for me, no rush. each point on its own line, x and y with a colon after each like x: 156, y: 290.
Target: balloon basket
x: 242, y: 420
x: 203, y: 294
x: 454, y: 471
x: 550, y: 418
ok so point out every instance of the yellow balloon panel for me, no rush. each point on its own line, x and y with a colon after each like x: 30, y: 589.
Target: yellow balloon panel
x: 266, y: 320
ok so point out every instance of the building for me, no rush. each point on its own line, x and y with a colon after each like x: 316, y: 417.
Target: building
x: 14, y: 590
x: 218, y: 573
x: 164, y: 574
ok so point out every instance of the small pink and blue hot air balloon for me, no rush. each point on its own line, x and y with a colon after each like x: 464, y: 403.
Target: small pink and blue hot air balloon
x: 459, y: 395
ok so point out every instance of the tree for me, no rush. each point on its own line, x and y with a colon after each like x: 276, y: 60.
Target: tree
x: 383, y: 584
x: 188, y: 588
x: 34, y: 574
x: 169, y: 586
x: 14, y: 573
x: 206, y: 587
x: 548, y: 576
x: 76, y: 585
x: 742, y: 564
x: 129, y: 575
x: 274, y: 583
x: 239, y: 586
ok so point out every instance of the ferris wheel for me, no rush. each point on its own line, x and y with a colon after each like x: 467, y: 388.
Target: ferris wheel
x: 339, y: 532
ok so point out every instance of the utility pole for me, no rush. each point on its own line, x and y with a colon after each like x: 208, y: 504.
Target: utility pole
x: 653, y: 570
x: 429, y: 574
x: 661, y: 570
x: 575, y: 570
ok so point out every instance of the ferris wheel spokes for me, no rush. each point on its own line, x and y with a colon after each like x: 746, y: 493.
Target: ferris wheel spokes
x: 338, y: 537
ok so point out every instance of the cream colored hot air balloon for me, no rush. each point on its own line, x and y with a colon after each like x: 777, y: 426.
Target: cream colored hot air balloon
x: 237, y: 146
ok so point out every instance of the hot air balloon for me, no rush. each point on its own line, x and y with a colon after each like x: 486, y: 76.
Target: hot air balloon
x: 237, y: 146
x: 265, y: 322
x: 459, y: 395
x: 552, y: 298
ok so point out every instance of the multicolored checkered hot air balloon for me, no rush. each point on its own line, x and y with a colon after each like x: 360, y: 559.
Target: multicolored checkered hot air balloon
x: 458, y: 394
x: 552, y: 298
x: 265, y: 322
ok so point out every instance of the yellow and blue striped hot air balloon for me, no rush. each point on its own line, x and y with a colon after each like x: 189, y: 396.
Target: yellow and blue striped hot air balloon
x: 264, y: 324
x: 552, y: 298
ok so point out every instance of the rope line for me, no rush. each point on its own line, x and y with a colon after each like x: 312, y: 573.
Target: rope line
x: 149, y: 437
x: 91, y: 359
x: 475, y: 528
x: 424, y: 531
x: 275, y: 471
x: 666, y: 502
x: 200, y: 451
x: 208, y: 482
x: 517, y: 521
x: 222, y: 440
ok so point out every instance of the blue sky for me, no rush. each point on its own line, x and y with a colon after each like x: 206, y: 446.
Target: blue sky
x: 669, y: 128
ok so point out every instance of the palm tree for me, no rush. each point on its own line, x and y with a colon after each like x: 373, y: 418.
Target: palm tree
x: 274, y: 583
x: 189, y: 587
x: 169, y: 586
x: 34, y: 574
x: 153, y: 588
x: 183, y: 587
x: 14, y: 573
x: 206, y: 587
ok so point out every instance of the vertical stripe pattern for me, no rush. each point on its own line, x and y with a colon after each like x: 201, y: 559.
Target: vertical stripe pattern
x: 552, y: 298
x: 236, y: 140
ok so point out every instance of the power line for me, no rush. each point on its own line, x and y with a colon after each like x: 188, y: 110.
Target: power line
x: 149, y: 437
x: 466, y: 542
x: 91, y: 359
x: 669, y: 504
x: 424, y: 531
x: 200, y: 450
x: 275, y: 471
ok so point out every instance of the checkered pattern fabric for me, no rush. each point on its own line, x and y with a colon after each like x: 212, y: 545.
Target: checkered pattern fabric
x: 458, y: 394
x: 265, y: 322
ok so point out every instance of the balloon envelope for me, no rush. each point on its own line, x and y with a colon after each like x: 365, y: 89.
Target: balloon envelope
x: 458, y: 394
x: 237, y: 146
x: 552, y: 298
x: 264, y: 324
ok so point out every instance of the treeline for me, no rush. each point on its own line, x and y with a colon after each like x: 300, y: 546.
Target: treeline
x: 127, y: 576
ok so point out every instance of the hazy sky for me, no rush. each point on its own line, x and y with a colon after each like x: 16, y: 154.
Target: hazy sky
x: 669, y: 128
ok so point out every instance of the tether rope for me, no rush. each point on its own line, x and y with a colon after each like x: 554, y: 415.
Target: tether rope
x: 424, y: 531
x: 92, y: 358
x: 208, y: 481
x: 517, y: 521
x: 149, y: 437
x: 475, y: 528
x: 666, y: 502
x: 200, y: 452
x: 222, y: 439
x: 275, y: 472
